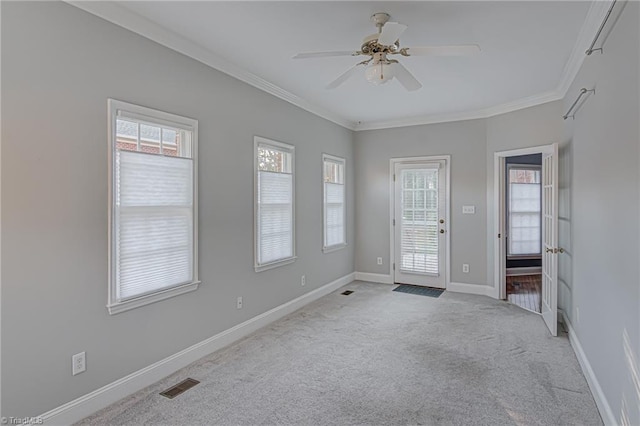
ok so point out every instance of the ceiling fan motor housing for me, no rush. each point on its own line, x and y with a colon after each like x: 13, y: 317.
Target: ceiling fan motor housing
x: 371, y: 46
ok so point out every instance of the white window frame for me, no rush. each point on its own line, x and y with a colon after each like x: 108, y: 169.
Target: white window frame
x: 343, y: 162
x: 119, y: 109
x: 257, y: 141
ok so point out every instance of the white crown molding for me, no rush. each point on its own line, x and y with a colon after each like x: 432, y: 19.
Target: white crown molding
x: 116, y: 14
x: 127, y: 19
x: 462, y: 116
x: 595, y: 16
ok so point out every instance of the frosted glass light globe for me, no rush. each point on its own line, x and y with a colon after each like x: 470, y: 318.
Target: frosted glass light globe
x: 378, y: 73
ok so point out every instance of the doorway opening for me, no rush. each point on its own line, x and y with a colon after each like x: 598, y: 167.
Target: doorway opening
x: 548, y: 187
x: 523, y: 230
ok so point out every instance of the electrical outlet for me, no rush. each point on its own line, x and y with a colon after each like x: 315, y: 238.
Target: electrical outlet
x: 465, y: 268
x: 379, y: 261
x: 239, y: 302
x: 303, y: 280
x: 78, y: 363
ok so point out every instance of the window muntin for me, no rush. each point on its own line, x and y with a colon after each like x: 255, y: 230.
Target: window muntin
x: 153, y: 198
x: 524, y: 210
x: 333, y: 203
x: 274, y: 204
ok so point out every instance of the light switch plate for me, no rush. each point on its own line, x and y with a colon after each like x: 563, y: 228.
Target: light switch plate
x: 468, y: 209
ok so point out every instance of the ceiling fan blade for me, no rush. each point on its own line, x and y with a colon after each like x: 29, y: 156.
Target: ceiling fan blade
x: 460, y: 50
x: 325, y: 54
x: 342, y: 78
x: 391, y: 31
x: 405, y: 77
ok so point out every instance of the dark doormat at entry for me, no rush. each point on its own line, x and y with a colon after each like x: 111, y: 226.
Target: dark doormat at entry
x: 422, y: 291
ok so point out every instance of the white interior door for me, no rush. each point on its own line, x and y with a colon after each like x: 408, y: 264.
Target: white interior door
x: 550, y: 239
x: 419, y: 223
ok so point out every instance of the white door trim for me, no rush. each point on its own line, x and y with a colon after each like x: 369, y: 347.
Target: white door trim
x: 447, y: 171
x: 499, y: 249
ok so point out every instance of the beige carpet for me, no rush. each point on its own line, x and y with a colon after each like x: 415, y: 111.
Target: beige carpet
x: 379, y: 357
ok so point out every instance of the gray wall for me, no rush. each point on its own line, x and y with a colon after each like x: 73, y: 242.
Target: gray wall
x: 59, y: 66
x: 465, y: 142
x: 472, y: 145
x: 600, y: 211
x: 535, y: 126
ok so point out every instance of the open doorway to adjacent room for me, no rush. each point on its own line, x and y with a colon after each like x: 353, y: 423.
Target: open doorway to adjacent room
x: 523, y: 216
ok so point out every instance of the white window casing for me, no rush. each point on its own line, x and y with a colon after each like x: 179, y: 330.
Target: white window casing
x: 334, y: 203
x: 274, y: 204
x: 153, y: 206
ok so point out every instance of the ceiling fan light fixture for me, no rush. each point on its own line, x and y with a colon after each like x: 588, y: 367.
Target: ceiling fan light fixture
x: 378, y: 68
x: 379, y: 72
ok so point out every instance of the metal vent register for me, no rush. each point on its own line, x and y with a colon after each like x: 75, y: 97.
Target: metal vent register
x: 181, y: 387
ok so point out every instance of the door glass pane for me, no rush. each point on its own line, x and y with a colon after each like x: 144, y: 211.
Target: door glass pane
x: 419, y: 221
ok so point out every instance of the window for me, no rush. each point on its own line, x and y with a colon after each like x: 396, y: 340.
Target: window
x: 153, y: 206
x: 333, y: 203
x: 524, y: 210
x: 274, y: 204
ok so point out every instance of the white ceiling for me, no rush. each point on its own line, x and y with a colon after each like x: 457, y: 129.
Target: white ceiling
x: 526, y: 47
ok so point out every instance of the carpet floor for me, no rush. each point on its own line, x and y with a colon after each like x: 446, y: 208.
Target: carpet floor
x: 379, y: 357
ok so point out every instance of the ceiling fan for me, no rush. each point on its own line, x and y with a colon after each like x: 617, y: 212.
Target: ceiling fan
x: 379, y: 67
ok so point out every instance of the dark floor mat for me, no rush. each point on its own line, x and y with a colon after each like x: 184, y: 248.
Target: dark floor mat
x: 422, y: 291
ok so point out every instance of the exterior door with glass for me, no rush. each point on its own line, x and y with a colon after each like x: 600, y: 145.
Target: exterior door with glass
x: 419, y: 223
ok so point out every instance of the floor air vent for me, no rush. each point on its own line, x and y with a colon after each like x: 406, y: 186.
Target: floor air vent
x: 346, y: 293
x: 181, y: 387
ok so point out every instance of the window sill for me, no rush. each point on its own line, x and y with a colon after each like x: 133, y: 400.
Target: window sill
x: 331, y: 249
x: 127, y: 305
x: 276, y: 264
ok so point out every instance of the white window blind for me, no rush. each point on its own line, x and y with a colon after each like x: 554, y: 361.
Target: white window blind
x: 153, y: 215
x: 334, y: 203
x: 419, y: 222
x: 274, y: 204
x: 524, y: 211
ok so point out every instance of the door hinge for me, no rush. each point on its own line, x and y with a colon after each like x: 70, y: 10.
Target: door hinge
x: 394, y: 266
x: 499, y: 235
x: 394, y: 177
x: 394, y: 222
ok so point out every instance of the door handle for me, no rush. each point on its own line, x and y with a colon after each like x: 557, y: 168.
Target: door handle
x: 554, y: 250
x: 441, y: 220
x: 442, y: 231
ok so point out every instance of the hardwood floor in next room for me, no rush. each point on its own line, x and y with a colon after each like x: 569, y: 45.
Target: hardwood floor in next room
x: 525, y: 291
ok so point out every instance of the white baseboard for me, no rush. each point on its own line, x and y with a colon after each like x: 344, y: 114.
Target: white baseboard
x: 529, y: 270
x: 88, y: 404
x: 480, y: 289
x: 374, y: 278
x: 601, y: 400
